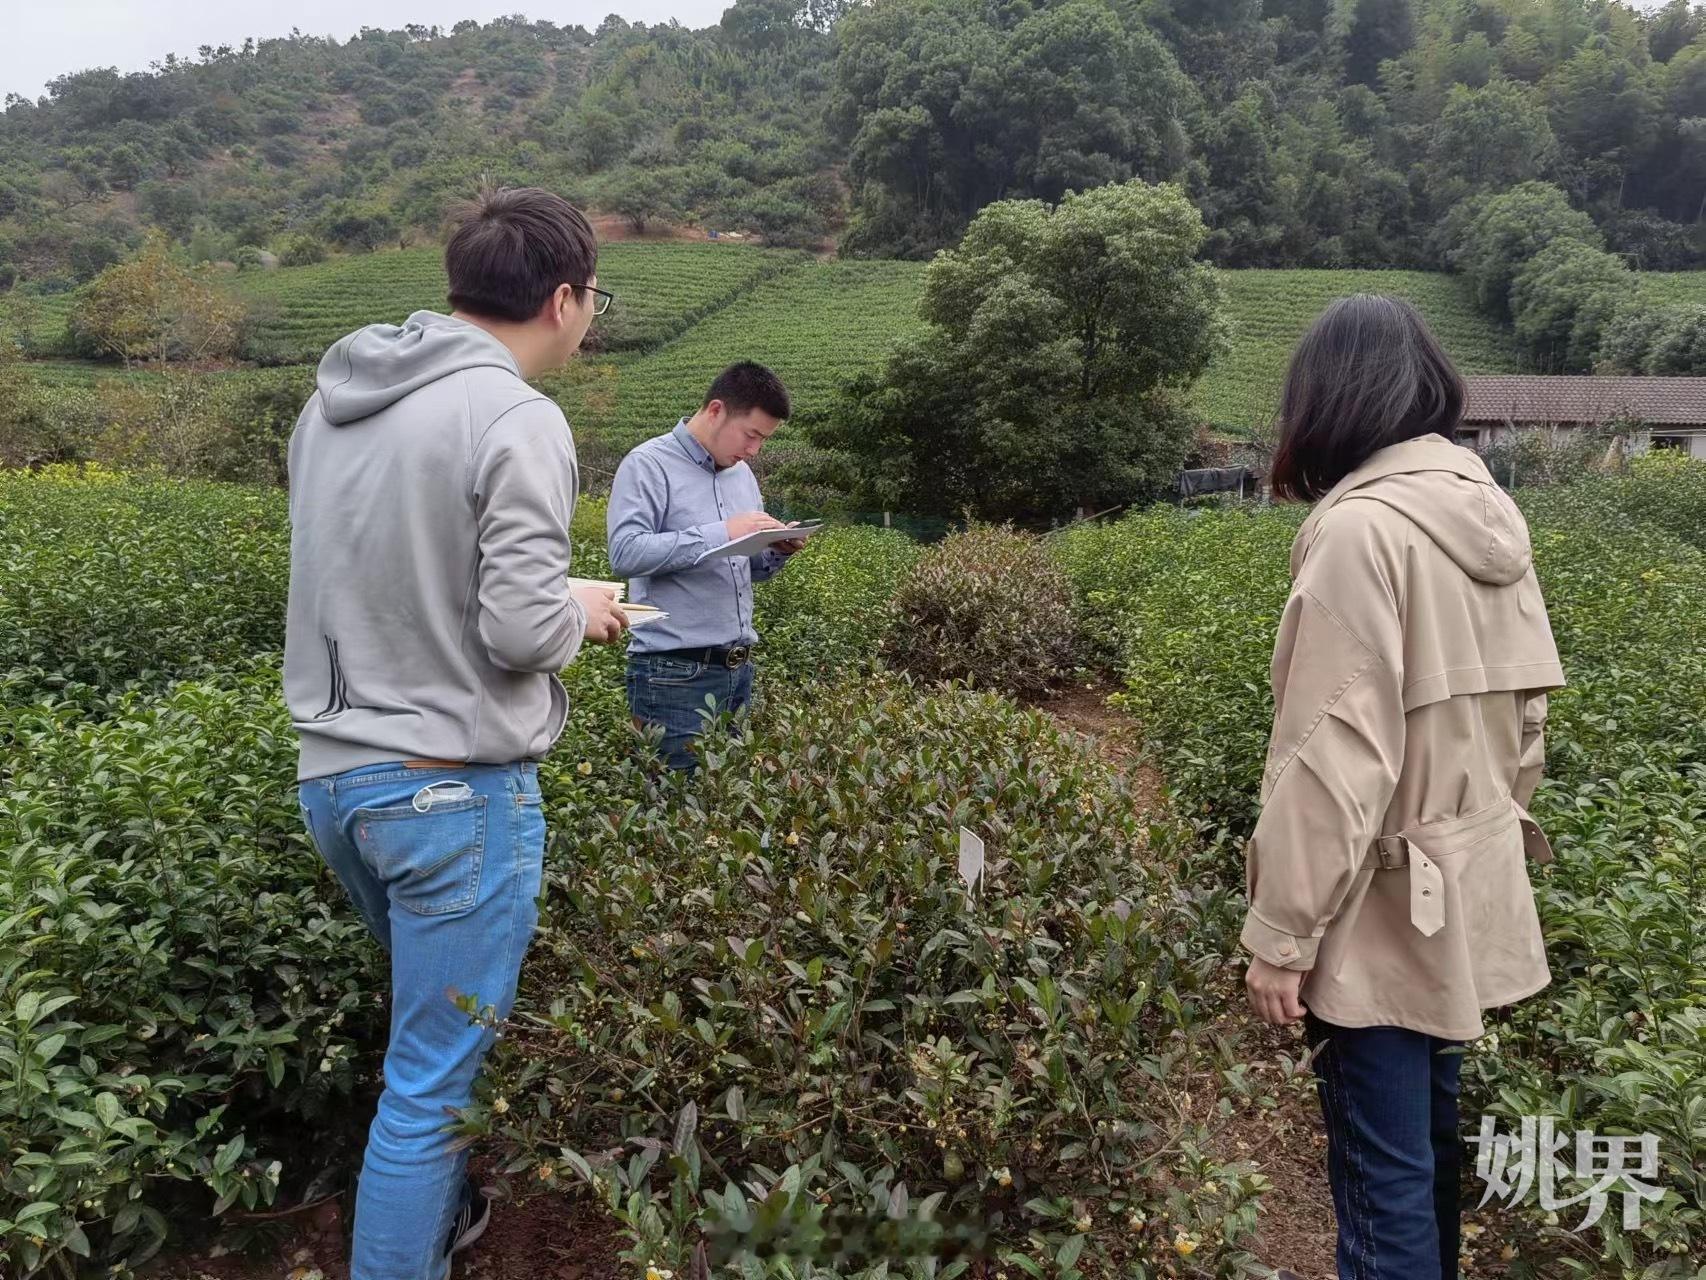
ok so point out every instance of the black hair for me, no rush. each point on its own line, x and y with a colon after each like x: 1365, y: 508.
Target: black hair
x: 748, y: 385
x: 1369, y: 373
x: 513, y: 249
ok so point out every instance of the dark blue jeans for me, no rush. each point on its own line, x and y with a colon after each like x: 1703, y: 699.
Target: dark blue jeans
x: 1390, y: 1101
x: 682, y: 698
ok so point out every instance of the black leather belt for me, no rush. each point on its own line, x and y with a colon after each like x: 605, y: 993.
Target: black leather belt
x: 733, y: 657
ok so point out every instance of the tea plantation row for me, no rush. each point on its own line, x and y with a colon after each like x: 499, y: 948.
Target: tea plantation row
x: 768, y: 989
x: 685, y: 310
x: 763, y: 1005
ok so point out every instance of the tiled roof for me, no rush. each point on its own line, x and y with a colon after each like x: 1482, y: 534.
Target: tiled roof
x: 1529, y: 399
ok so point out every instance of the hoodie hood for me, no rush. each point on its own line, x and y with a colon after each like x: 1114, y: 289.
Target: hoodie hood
x: 373, y: 368
x: 1447, y: 492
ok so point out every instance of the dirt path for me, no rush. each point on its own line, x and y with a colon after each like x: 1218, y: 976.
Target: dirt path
x: 1288, y: 1143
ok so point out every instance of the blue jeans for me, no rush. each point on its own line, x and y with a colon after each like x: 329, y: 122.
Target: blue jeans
x: 444, y: 865
x: 1390, y: 1101
x: 682, y: 697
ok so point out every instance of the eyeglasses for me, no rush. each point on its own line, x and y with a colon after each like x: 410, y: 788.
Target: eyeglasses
x: 601, y: 299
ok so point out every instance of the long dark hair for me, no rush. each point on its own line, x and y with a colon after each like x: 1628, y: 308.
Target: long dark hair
x: 1369, y: 373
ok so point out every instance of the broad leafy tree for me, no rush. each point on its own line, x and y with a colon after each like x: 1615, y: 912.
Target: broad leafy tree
x: 1056, y: 347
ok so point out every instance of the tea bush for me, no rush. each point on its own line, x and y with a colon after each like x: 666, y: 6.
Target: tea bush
x: 1188, y: 603
x: 115, y: 581
x: 826, y: 614
x: 180, y: 983
x: 988, y: 606
x: 1666, y: 490
x: 1618, y: 1045
x: 769, y: 983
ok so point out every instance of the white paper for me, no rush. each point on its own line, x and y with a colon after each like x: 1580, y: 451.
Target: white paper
x: 971, y: 858
x: 639, y: 618
x: 753, y: 543
x: 619, y: 589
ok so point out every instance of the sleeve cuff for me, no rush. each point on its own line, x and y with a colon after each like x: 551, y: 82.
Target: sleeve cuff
x: 715, y: 535
x: 1278, y: 948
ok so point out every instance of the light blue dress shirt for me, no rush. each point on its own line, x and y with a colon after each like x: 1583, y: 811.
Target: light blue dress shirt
x: 669, y: 504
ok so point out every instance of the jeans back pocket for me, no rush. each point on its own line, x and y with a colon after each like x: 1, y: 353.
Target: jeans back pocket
x: 429, y: 858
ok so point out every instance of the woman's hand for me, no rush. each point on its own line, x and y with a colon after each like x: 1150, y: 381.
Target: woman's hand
x: 1273, y: 992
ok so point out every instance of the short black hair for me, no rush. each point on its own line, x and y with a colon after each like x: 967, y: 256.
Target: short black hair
x: 513, y: 248
x: 749, y: 385
x: 1369, y: 373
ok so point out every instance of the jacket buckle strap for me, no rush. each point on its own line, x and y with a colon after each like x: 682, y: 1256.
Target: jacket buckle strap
x: 1427, y: 884
x: 1393, y: 852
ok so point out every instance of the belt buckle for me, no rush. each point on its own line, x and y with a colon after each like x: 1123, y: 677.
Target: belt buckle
x: 736, y: 656
x: 1393, y: 852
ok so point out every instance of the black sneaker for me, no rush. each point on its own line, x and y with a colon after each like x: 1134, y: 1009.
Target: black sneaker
x: 473, y: 1216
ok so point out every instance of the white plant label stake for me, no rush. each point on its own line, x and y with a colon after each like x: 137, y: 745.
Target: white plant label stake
x: 971, y: 860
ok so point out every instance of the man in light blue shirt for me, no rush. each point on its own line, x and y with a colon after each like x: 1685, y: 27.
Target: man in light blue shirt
x: 674, y: 498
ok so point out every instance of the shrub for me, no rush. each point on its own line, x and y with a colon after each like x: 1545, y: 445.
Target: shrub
x: 180, y: 982
x: 1665, y: 490
x: 768, y: 984
x: 302, y: 251
x: 987, y: 606
x: 115, y: 581
x: 41, y: 423
x: 1531, y: 459
x: 830, y: 609
x: 152, y: 308
x: 1191, y: 600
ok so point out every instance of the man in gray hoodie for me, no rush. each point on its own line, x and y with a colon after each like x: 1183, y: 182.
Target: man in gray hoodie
x: 430, y: 610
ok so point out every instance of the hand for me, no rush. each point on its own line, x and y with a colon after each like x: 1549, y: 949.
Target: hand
x: 750, y: 522
x: 792, y: 545
x: 605, y: 621
x: 1273, y: 992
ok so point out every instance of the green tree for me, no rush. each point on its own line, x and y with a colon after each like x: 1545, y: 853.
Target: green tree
x: 1045, y: 378
x: 597, y: 139
x: 1489, y: 139
x: 154, y: 309
x: 947, y: 105
x: 1679, y: 346
x: 1605, y: 111
x: 1628, y: 340
x: 1563, y: 298
x: 1379, y: 30
x: 1507, y: 230
x: 301, y: 251
x: 642, y: 196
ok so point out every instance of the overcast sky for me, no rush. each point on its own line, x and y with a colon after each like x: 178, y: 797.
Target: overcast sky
x: 42, y: 39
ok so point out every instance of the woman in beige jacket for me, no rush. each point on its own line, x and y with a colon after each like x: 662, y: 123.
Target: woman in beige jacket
x: 1389, y: 893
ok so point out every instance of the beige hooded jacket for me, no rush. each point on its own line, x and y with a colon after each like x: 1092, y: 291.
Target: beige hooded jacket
x: 1410, y: 680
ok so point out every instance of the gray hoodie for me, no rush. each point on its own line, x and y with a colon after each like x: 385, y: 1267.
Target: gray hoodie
x: 430, y: 496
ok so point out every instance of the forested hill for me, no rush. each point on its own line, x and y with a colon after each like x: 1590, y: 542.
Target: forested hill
x: 1310, y: 132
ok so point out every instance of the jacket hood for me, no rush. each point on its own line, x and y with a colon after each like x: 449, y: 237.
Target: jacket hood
x: 1447, y: 492
x: 373, y: 368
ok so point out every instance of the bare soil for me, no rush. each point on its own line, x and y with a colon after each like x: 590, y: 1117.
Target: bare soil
x: 1288, y: 1143
x: 547, y: 1237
